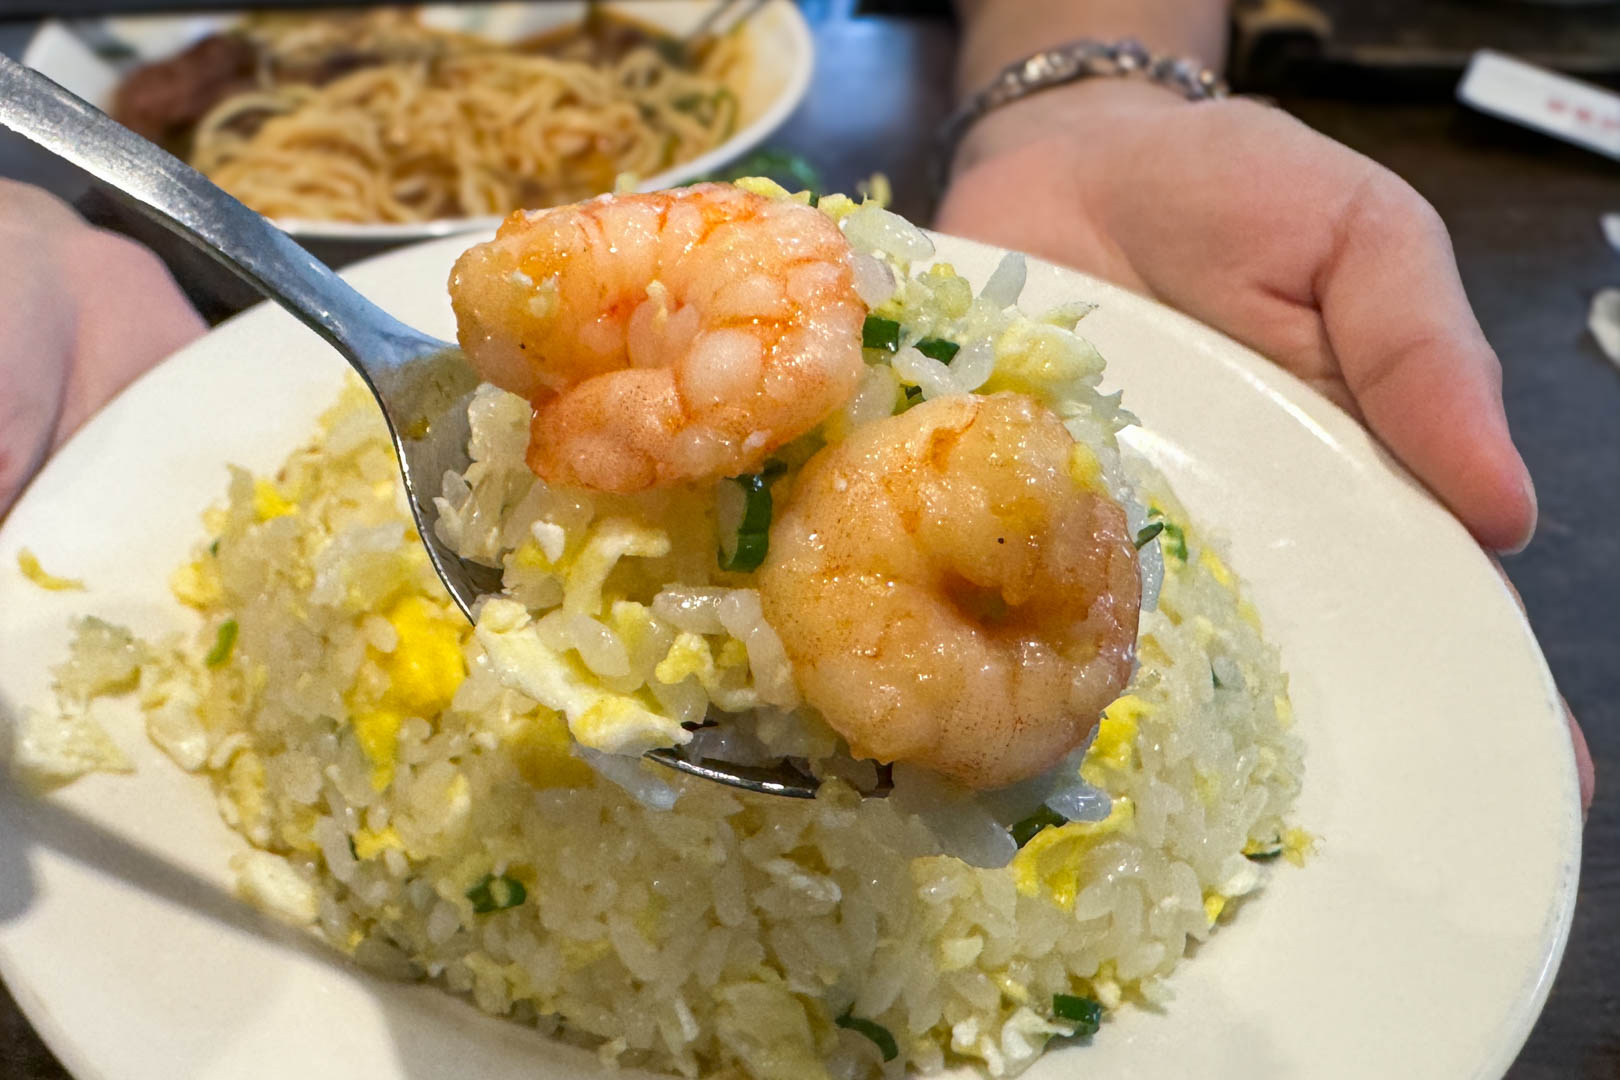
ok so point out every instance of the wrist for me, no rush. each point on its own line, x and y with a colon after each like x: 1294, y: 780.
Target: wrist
x: 998, y: 32
x: 1063, y: 110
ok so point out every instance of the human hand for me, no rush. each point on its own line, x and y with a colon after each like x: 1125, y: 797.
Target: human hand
x: 1297, y: 246
x: 82, y: 313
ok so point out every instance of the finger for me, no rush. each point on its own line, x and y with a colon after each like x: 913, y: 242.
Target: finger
x: 24, y: 207
x: 131, y: 316
x: 1417, y: 362
x: 1585, y: 773
x: 36, y: 334
x: 1584, y: 770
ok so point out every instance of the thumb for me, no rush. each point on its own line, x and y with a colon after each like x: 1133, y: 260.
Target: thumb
x: 1418, y: 364
x: 36, y: 338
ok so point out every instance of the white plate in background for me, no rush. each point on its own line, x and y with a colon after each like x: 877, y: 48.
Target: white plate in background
x: 1420, y: 941
x: 782, y: 58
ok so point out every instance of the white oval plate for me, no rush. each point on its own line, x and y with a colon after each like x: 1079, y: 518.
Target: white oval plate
x: 783, y: 58
x: 1420, y: 941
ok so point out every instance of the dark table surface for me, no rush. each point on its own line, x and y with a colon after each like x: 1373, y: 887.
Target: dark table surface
x: 1523, y: 213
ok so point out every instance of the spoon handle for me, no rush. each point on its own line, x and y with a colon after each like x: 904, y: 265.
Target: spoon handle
x: 181, y: 199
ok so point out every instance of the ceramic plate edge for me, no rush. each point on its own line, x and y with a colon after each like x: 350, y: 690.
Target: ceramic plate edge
x: 1280, y: 386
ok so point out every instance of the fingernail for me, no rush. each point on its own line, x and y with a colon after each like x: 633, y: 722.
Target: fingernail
x: 1529, y: 488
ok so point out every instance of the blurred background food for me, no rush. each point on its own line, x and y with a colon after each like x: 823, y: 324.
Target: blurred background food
x: 376, y: 116
x: 379, y: 124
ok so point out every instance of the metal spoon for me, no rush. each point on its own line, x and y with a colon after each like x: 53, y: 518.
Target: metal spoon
x: 420, y: 383
x: 691, y: 45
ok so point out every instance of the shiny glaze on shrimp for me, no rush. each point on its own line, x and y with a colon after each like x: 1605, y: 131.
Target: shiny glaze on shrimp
x: 950, y: 595
x: 666, y: 337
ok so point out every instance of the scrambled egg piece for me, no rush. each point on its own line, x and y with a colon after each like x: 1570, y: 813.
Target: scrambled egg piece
x: 270, y: 884
x: 835, y: 205
x: 246, y: 804
x: 876, y: 190
x: 1297, y: 844
x: 600, y: 719
x: 1285, y: 710
x: 268, y: 502
x: 531, y: 556
x: 608, y: 542
x: 424, y: 671
x: 1114, y: 746
x: 1032, y: 356
x: 426, y: 666
x: 693, y: 656
x: 369, y: 843
x: 633, y: 623
x: 733, y: 654
x: 1052, y: 858
x: 688, y: 655
x: 29, y: 565
x: 770, y: 189
x: 1217, y: 569
x: 196, y: 585
x: 48, y: 751
x: 539, y: 750
x: 952, y: 293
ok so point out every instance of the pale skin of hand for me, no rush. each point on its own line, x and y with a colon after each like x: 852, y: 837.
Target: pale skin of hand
x: 1244, y: 218
x: 82, y: 313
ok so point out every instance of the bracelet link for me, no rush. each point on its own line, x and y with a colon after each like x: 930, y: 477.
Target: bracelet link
x: 1063, y: 64
x: 1131, y: 55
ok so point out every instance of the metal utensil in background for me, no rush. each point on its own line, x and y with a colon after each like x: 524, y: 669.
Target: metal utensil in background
x: 717, y: 23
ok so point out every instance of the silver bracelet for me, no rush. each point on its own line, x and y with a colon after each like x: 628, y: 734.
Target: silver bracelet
x: 1064, y: 64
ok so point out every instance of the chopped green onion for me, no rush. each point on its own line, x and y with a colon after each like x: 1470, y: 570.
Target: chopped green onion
x: 1024, y: 831
x: 496, y: 894
x: 223, y: 642
x: 938, y: 348
x: 913, y: 393
x: 687, y: 102
x: 880, y: 333
x: 1214, y: 678
x: 1266, y: 851
x: 1084, y: 1013
x: 754, y: 531
x: 1145, y: 535
x: 354, y: 852
x: 750, y: 553
x: 213, y: 549
x: 874, y: 1031
x: 1177, y: 541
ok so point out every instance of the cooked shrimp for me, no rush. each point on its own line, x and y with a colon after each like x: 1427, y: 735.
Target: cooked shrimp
x: 950, y: 594
x: 666, y: 337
